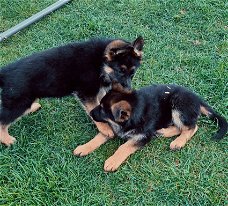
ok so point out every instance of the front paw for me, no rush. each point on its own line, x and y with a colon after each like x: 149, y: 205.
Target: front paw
x: 112, y: 164
x: 8, y: 140
x: 83, y: 150
x: 105, y: 130
x: 35, y: 107
x: 177, y: 144
x: 108, y: 133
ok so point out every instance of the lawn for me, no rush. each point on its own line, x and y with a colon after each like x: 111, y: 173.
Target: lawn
x: 185, y: 43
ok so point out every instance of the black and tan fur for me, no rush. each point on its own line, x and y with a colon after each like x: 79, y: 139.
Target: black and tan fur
x: 140, y: 115
x: 85, y: 69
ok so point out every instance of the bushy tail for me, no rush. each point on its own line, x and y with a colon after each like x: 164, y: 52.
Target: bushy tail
x: 222, y: 123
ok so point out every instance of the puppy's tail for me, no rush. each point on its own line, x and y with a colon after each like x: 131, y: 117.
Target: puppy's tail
x: 221, y: 121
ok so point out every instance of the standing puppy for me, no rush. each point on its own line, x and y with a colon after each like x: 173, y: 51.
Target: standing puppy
x: 137, y: 116
x: 86, y: 69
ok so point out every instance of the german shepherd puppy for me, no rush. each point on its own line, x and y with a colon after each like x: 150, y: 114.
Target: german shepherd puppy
x: 86, y: 69
x: 137, y: 116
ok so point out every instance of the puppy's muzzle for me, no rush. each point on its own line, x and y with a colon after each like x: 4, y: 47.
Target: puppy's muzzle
x: 97, y: 114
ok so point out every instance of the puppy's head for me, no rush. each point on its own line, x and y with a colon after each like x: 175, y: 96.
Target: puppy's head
x: 121, y: 61
x: 115, y: 106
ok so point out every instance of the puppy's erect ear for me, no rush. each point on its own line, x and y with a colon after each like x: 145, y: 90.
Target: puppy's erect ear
x: 115, y: 48
x: 138, y: 43
x: 121, y: 111
x: 138, y: 46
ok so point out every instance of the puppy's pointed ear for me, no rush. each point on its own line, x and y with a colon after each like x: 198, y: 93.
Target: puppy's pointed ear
x: 115, y: 48
x: 138, y: 43
x: 138, y: 47
x: 121, y: 111
x: 115, y: 52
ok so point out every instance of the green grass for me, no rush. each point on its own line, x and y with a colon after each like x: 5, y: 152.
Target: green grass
x: 185, y: 43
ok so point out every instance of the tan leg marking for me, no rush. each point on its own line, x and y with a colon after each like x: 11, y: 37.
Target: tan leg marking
x: 85, y: 149
x: 34, y: 107
x: 186, y: 135
x: 121, y: 154
x: 169, y: 132
x: 5, y: 138
x: 104, y: 128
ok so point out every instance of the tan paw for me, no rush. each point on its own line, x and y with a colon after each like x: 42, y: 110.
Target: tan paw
x: 8, y: 141
x: 83, y: 150
x: 105, y: 129
x: 162, y: 132
x: 112, y: 164
x: 177, y: 144
x: 108, y: 133
x: 35, y: 106
x: 169, y: 132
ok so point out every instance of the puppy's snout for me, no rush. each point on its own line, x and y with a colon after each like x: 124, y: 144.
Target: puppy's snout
x: 98, y: 114
x: 93, y: 114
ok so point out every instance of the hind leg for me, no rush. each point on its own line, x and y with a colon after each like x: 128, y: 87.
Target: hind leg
x: 185, y: 136
x: 5, y: 138
x: 169, y: 131
x: 34, y: 107
x: 10, y: 111
x: 185, y: 118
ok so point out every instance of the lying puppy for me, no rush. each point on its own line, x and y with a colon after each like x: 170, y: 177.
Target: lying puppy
x: 137, y: 116
x: 86, y: 69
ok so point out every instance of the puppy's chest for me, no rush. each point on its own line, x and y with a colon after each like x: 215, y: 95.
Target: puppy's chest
x: 133, y: 135
x: 126, y: 135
